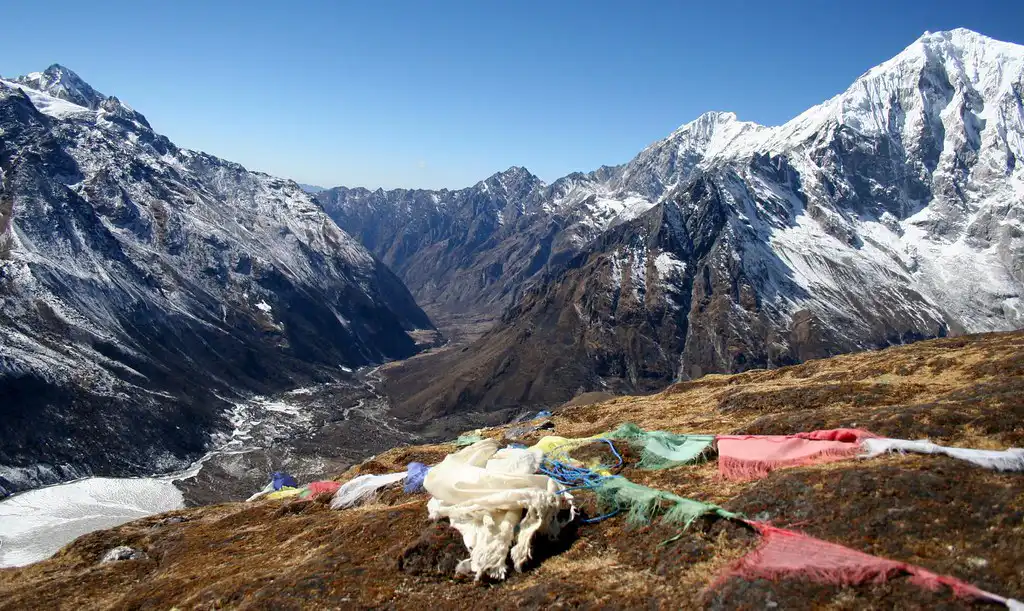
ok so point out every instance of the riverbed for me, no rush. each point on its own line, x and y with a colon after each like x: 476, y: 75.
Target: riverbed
x: 312, y: 432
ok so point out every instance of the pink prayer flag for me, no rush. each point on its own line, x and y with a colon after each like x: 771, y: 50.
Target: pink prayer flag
x: 786, y: 554
x: 322, y: 487
x: 754, y: 456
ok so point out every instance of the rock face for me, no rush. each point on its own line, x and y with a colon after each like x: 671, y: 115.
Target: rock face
x: 890, y: 213
x: 476, y: 249
x: 142, y: 285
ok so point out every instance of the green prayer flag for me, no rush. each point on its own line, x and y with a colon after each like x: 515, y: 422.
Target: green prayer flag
x: 643, y: 504
x: 467, y: 440
x: 663, y: 450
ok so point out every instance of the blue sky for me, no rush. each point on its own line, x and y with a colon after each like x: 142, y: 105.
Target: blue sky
x: 442, y: 93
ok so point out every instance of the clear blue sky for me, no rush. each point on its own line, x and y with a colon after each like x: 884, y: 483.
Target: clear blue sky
x: 435, y: 93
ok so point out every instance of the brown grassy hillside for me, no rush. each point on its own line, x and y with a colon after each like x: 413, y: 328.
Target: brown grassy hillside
x: 945, y: 515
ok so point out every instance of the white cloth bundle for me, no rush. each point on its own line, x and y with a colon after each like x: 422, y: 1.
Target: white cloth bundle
x: 483, y: 492
x: 999, y: 460
x: 359, y: 489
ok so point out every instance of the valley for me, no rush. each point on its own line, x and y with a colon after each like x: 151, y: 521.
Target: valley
x: 175, y: 327
x: 890, y: 213
x: 147, y: 288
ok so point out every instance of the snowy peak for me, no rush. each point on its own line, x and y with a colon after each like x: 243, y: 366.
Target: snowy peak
x: 705, y: 125
x: 61, y: 93
x: 980, y: 66
x: 711, y: 134
x: 515, y: 171
x: 671, y: 161
x: 968, y: 60
x: 907, y: 96
x: 516, y: 181
x: 983, y: 60
x: 64, y: 84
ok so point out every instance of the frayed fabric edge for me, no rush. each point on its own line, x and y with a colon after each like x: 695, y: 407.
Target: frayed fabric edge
x: 742, y: 469
x: 880, y: 570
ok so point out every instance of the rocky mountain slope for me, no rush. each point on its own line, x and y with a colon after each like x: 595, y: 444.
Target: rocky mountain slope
x: 890, y: 213
x: 142, y: 286
x: 945, y: 515
x: 477, y: 249
x: 462, y: 250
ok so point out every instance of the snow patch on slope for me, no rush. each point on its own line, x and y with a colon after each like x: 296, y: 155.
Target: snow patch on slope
x: 35, y: 524
x: 49, y: 105
x: 668, y: 266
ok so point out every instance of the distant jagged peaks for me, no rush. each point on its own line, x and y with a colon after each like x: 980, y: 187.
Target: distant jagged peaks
x: 959, y: 67
x: 706, y: 122
x: 516, y: 180
x: 671, y: 160
x: 981, y: 60
x: 515, y: 171
x: 924, y: 101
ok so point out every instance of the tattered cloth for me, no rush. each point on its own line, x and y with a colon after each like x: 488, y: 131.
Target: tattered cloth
x: 416, y: 472
x: 279, y: 480
x: 315, y: 489
x: 663, y: 450
x: 483, y: 492
x: 787, y: 554
x: 556, y: 447
x: 363, y: 488
x: 285, y: 492
x: 468, y: 439
x: 643, y: 504
x: 999, y: 460
x: 743, y: 457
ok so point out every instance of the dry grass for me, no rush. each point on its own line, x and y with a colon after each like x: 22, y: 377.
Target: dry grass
x: 947, y: 516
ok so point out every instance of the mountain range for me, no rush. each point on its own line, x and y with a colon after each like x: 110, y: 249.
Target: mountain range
x: 889, y: 213
x: 144, y: 286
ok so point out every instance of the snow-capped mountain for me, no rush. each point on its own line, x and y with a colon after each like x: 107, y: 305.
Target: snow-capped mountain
x: 142, y: 285
x: 63, y: 84
x: 892, y: 212
x: 476, y: 249
x: 457, y: 250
